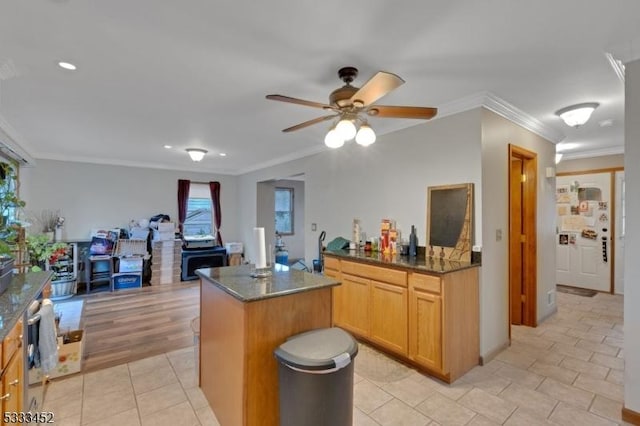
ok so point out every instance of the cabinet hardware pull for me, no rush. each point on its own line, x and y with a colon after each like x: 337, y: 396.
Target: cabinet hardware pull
x: 15, y: 382
x: 5, y: 396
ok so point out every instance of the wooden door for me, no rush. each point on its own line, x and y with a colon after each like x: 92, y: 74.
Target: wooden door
x: 515, y: 244
x: 523, y: 178
x: 425, y: 328
x: 355, y: 307
x: 389, y: 316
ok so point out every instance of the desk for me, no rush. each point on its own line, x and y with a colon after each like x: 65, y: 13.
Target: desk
x: 242, y: 321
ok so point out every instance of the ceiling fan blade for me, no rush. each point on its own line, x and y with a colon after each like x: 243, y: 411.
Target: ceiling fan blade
x: 297, y: 101
x: 387, y: 111
x: 309, y: 123
x: 377, y: 86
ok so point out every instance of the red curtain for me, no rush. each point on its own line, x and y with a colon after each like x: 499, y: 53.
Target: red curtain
x: 183, y: 199
x: 214, y: 187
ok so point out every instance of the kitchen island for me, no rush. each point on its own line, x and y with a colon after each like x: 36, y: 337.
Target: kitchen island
x: 242, y: 321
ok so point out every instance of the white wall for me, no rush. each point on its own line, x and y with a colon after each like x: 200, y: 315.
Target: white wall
x: 91, y: 196
x: 497, y: 134
x: 632, y: 238
x: 588, y: 164
x: 386, y: 180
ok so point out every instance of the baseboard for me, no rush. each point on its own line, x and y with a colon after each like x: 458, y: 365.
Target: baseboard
x: 630, y: 416
x: 484, y: 359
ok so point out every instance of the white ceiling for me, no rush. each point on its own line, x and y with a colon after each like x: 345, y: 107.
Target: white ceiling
x: 195, y: 73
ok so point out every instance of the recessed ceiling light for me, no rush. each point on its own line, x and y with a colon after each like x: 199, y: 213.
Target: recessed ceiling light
x: 168, y: 146
x: 222, y: 154
x: 67, y: 66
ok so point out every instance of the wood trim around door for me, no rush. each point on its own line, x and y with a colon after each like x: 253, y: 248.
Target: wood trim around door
x: 529, y: 228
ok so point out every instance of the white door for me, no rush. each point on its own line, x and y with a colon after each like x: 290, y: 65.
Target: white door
x: 583, y: 249
x: 618, y: 285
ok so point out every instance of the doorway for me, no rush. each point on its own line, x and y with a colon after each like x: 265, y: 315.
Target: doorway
x: 590, y: 241
x: 523, y: 175
x: 268, y: 207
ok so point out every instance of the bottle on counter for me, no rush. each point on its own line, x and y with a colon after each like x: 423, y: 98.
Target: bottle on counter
x: 413, y: 242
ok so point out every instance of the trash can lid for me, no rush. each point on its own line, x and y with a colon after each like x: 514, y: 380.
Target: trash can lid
x: 321, y: 349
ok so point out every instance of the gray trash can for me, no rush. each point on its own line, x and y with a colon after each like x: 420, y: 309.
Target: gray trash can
x: 316, y: 378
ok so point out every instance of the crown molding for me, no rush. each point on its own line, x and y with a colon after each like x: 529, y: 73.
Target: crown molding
x: 284, y: 159
x: 11, y: 143
x: 521, y: 118
x: 503, y: 108
x: 124, y: 163
x: 614, y: 150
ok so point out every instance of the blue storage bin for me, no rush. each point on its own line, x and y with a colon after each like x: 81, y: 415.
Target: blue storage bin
x: 125, y: 280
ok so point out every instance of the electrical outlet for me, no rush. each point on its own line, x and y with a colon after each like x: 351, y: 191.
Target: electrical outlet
x: 498, y: 234
x: 551, y: 297
x: 314, y: 227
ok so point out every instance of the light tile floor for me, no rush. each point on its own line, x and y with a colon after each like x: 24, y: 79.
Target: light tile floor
x: 567, y: 371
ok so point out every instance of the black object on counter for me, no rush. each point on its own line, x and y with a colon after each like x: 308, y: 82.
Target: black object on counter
x: 413, y: 242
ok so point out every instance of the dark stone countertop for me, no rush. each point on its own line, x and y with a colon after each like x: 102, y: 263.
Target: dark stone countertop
x: 431, y: 265
x: 238, y: 282
x: 24, y: 288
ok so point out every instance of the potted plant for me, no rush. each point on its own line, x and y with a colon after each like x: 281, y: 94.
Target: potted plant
x: 41, y: 250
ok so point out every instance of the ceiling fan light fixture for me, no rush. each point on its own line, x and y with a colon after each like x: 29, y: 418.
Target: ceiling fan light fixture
x: 365, y: 136
x: 577, y: 115
x: 333, y: 139
x: 346, y: 129
x: 196, y: 154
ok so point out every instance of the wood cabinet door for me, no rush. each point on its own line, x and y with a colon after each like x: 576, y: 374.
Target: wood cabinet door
x: 389, y: 316
x: 355, y: 307
x: 425, y: 328
x: 12, y: 386
x: 337, y: 298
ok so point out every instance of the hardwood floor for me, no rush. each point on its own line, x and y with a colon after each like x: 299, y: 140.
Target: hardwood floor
x: 129, y: 325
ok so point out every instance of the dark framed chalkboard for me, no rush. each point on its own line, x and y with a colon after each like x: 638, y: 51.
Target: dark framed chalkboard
x: 449, y: 220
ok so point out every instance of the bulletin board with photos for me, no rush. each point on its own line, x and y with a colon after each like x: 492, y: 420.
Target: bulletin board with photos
x: 581, y: 211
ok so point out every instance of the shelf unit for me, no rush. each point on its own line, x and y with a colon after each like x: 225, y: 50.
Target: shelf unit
x: 98, y: 269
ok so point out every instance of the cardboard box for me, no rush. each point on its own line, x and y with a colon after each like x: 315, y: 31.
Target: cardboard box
x: 69, y: 357
x: 234, y: 248
x: 130, y: 264
x: 163, y: 235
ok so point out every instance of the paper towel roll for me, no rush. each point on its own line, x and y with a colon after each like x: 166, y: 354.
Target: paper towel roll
x: 261, y: 260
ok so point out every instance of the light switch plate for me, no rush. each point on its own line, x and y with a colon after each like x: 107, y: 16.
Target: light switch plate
x: 314, y: 227
x: 498, y: 234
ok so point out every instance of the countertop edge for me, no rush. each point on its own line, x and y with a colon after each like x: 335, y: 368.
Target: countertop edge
x: 280, y: 293
x: 419, y: 268
x: 8, y: 322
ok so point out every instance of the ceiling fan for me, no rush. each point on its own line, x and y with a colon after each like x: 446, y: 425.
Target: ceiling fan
x: 351, y: 105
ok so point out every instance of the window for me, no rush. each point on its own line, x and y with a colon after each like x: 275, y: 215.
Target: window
x: 199, y: 220
x: 284, y: 210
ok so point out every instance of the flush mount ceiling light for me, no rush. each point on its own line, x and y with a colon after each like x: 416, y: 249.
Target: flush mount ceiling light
x: 577, y: 115
x: 67, y: 66
x: 196, y: 154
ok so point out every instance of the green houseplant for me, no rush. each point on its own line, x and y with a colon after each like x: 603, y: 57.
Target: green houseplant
x: 40, y: 249
x: 9, y: 204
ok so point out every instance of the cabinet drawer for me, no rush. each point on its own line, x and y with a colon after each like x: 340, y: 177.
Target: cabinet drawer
x: 386, y: 275
x: 331, y: 263
x: 425, y: 282
x: 11, y: 343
